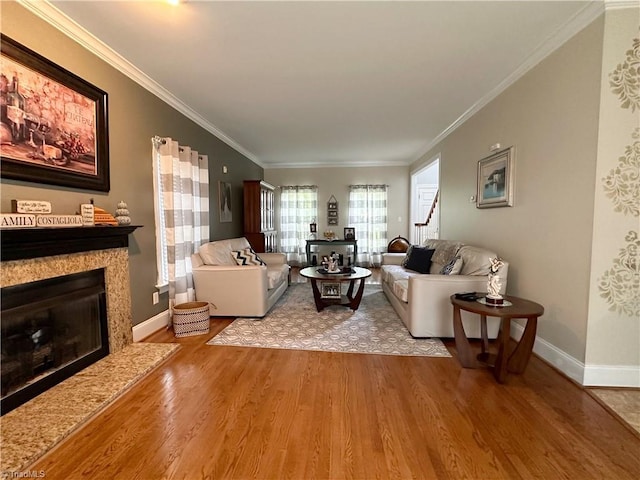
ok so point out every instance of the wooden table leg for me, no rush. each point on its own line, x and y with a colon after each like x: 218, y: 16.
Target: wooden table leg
x: 316, y: 295
x: 355, y: 301
x: 520, y: 356
x: 350, y: 289
x: 465, y: 354
x: 500, y: 369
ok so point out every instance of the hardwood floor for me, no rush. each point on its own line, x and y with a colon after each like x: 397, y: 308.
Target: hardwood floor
x: 231, y: 412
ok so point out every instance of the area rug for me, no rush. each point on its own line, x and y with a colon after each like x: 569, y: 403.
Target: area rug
x: 294, y: 323
x: 32, y: 429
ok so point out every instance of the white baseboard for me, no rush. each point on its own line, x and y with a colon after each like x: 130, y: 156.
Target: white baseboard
x: 586, y: 375
x: 612, y: 376
x: 572, y: 368
x: 153, y: 324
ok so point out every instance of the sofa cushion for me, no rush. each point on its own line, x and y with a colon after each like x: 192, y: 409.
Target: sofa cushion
x: 445, y: 250
x: 247, y: 256
x: 476, y: 260
x: 391, y: 273
x: 454, y: 267
x: 401, y: 289
x: 419, y: 260
x: 219, y: 252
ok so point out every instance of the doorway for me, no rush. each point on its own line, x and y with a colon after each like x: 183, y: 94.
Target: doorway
x: 425, y: 203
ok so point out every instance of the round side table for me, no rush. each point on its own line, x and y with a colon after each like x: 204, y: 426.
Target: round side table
x: 505, y: 361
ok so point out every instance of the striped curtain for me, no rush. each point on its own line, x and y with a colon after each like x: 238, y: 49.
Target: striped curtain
x: 182, y: 193
x: 368, y: 215
x: 298, y: 208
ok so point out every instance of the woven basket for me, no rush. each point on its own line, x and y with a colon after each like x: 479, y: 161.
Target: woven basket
x: 191, y: 318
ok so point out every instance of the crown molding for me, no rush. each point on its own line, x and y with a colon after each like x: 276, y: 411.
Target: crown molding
x: 57, y: 19
x: 338, y: 164
x: 620, y: 4
x: 575, y: 24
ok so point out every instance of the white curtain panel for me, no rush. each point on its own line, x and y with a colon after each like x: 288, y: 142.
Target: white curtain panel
x: 298, y: 208
x: 183, y: 200
x: 368, y: 215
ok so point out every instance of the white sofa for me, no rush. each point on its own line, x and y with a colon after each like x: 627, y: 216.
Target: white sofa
x: 422, y: 300
x: 237, y: 290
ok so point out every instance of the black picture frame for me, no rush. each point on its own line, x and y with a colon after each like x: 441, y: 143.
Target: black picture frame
x: 349, y: 233
x: 66, y: 144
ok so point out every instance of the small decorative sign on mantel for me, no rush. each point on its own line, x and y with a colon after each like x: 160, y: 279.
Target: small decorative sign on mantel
x: 30, y: 206
x: 17, y: 220
x: 25, y: 220
x: 59, y: 221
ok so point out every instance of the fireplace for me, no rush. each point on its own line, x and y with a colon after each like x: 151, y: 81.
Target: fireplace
x: 51, y: 329
x: 99, y: 256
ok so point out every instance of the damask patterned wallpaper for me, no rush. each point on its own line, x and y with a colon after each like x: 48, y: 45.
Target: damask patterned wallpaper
x: 620, y: 284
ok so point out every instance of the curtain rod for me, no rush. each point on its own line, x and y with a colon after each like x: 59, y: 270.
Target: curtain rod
x: 375, y: 185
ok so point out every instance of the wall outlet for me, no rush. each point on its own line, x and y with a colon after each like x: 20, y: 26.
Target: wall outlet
x: 156, y: 298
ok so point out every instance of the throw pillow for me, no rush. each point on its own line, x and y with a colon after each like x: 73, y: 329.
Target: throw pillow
x: 420, y: 259
x: 453, y: 267
x: 247, y: 256
x: 406, y: 256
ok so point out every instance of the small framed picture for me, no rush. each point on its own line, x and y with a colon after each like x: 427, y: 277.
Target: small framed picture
x: 495, y: 180
x: 313, y: 227
x: 332, y: 205
x: 349, y: 233
x: 332, y: 213
x: 332, y: 221
x: 330, y: 290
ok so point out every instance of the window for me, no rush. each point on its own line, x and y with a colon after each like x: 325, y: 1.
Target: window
x: 368, y: 215
x: 298, y: 208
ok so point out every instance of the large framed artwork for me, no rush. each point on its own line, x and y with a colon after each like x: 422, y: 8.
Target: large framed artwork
x: 53, y: 124
x: 495, y: 180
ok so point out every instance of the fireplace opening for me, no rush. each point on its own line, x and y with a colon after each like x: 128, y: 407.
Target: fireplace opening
x: 51, y: 329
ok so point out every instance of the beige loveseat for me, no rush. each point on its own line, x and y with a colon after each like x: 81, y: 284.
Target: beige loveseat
x: 422, y: 300
x: 237, y: 290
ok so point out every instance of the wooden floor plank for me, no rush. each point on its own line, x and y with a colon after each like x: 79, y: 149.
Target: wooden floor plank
x: 229, y: 413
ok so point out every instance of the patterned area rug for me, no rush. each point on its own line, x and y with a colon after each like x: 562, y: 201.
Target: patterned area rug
x: 294, y: 323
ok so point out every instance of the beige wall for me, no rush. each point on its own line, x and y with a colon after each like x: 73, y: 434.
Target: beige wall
x: 336, y: 181
x: 135, y: 115
x: 550, y: 115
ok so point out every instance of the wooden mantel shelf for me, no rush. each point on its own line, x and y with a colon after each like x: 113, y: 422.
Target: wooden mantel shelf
x: 24, y: 243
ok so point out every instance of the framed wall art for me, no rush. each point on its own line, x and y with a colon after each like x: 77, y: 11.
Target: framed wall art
x: 495, y: 180
x: 332, y: 211
x: 226, y: 214
x: 54, y: 125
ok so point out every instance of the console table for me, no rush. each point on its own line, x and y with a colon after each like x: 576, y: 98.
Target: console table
x: 353, y: 243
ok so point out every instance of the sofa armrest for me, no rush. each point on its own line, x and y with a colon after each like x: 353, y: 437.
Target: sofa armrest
x: 229, y: 278
x: 273, y: 258
x: 393, y: 258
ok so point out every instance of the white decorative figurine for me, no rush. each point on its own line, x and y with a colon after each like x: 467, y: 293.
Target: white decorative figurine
x: 122, y: 214
x: 494, y: 284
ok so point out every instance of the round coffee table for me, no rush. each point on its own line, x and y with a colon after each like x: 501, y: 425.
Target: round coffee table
x: 329, y: 291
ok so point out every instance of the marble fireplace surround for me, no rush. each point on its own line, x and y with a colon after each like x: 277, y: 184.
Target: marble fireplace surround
x: 91, y: 249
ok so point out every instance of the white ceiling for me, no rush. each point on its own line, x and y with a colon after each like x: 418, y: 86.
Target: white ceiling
x: 325, y: 83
